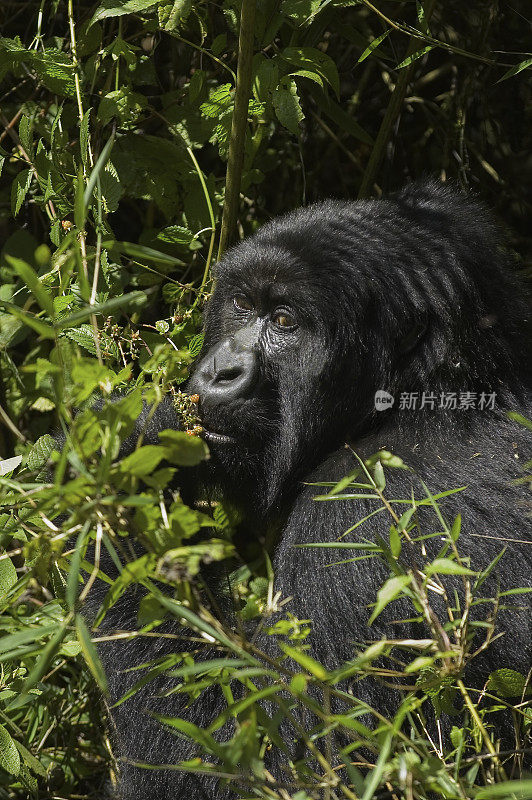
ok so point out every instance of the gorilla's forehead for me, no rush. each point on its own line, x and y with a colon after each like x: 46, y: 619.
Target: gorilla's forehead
x: 313, y: 245
x: 266, y: 268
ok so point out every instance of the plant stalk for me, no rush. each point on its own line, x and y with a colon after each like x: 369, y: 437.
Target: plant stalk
x: 235, y: 160
x: 391, y: 116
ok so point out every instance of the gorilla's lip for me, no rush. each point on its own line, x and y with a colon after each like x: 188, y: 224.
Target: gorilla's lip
x: 218, y: 438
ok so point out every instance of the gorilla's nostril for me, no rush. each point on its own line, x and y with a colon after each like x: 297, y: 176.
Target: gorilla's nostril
x: 229, y: 374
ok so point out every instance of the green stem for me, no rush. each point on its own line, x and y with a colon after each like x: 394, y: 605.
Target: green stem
x: 238, y: 127
x: 392, y: 113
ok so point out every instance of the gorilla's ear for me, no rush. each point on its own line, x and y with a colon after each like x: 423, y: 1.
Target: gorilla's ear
x: 414, y: 335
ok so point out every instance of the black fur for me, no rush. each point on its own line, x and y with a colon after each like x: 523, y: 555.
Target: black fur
x: 407, y: 294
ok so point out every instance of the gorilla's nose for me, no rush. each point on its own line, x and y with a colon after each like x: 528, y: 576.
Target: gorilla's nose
x: 226, y: 373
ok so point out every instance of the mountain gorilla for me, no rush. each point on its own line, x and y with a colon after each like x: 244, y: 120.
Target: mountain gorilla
x: 310, y: 318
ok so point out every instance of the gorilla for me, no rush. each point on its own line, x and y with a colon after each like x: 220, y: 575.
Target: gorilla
x: 346, y: 328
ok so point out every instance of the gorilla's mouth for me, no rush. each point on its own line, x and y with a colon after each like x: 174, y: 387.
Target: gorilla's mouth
x: 218, y: 438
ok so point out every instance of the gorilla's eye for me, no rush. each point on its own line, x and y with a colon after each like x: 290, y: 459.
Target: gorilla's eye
x: 283, y: 319
x: 242, y: 303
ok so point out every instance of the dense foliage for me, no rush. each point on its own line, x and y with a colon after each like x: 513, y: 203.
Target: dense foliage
x: 116, y: 121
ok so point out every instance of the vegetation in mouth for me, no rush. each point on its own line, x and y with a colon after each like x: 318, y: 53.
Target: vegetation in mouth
x: 186, y: 406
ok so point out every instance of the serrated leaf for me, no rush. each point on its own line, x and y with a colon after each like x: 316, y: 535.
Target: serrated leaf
x: 84, y: 337
x: 287, y: 106
x: 30, y: 760
x: 172, y: 14
x: 19, y: 190
x: 115, y: 8
x: 9, y: 756
x: 111, y: 188
x: 8, y: 576
x: 56, y: 71
x: 195, y: 344
x: 507, y: 683
x: 40, y: 452
x: 25, y: 135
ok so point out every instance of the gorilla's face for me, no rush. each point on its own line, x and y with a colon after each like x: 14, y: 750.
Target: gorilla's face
x: 268, y: 367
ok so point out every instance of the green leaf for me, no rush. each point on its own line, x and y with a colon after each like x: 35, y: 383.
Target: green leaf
x: 187, y: 451
x: 195, y: 344
x: 122, y: 301
x: 517, y: 69
x: 28, y: 319
x: 173, y: 13
x: 123, y: 104
x: 25, y: 135
x: 300, y: 11
x: 305, y: 661
x: 378, y: 476
x: 90, y: 654
x: 287, y: 106
x: 373, y: 46
x: 84, y: 136
x: 446, y: 566
x: 84, y: 336
x: 391, y: 589
x: 56, y: 71
x: 9, y: 756
x: 80, y: 210
x: 116, y: 8
x: 236, y: 708
x: 456, y: 527
x: 98, y: 167
x: 520, y: 419
x: 19, y: 190
x: 41, y: 665
x: 312, y: 60
x: 30, y: 760
x: 9, y: 464
x: 143, y: 253
x: 8, y: 576
x: 191, y: 731
x: 40, y: 452
x: 508, y: 683
x: 33, y: 282
x: 508, y: 790
x: 144, y: 460
x: 414, y: 57
x: 111, y: 188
